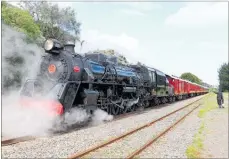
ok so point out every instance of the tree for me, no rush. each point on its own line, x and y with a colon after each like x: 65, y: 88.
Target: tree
x: 20, y: 59
x: 54, y: 22
x: 191, y: 77
x: 223, y: 74
x: 20, y: 19
x: 121, y: 59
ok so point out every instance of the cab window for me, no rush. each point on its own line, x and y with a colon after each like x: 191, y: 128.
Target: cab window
x: 150, y: 76
x: 153, y: 75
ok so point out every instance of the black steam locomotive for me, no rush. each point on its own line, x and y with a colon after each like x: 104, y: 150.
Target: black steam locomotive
x: 67, y: 79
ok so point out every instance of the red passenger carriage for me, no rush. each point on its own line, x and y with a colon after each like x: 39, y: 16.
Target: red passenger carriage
x: 183, y: 88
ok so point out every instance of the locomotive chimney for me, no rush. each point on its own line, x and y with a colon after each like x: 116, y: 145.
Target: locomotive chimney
x: 69, y: 47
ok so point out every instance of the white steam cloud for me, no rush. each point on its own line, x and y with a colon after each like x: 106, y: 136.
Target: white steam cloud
x: 19, y: 121
x: 100, y: 116
x: 20, y: 61
x: 79, y: 117
x: 18, y: 58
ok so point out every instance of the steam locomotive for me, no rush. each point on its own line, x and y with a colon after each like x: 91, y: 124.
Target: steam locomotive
x: 67, y: 80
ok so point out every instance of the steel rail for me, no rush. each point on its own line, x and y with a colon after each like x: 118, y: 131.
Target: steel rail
x: 112, y: 140
x: 150, y: 142
x: 16, y: 140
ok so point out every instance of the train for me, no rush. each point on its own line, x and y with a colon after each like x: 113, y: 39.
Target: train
x: 95, y: 80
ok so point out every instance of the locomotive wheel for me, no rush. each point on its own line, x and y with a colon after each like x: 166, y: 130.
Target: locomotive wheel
x: 133, y: 108
x: 125, y: 110
x: 168, y: 99
x: 156, y: 101
x: 108, y: 110
x: 140, y: 108
x: 115, y: 110
x: 163, y: 100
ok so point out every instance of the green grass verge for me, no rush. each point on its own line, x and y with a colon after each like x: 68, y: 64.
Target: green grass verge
x: 209, y: 104
x: 194, y: 150
x: 225, y: 95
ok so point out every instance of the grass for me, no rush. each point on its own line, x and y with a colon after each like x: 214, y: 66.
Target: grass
x: 194, y: 150
x: 225, y: 95
x: 210, y: 103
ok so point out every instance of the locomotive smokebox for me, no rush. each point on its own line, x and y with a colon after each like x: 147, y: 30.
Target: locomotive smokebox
x: 69, y: 47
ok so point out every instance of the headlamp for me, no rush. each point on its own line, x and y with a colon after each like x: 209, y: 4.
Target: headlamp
x: 52, y: 46
x: 48, y: 45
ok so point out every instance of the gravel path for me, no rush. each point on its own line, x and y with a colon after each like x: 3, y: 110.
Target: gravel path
x: 216, y: 134
x: 64, y: 145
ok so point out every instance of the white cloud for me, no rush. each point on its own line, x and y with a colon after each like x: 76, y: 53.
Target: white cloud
x: 201, y: 14
x: 122, y: 43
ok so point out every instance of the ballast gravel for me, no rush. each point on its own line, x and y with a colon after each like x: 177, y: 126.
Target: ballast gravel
x: 175, y: 143
x: 128, y: 145
x: 65, y: 145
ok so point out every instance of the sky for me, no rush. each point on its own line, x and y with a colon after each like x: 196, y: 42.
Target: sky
x: 174, y: 37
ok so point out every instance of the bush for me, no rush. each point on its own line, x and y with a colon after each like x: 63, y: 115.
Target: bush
x: 20, y: 19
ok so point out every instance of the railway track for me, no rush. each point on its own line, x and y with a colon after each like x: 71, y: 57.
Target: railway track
x: 98, y: 147
x: 16, y: 140
x: 122, y: 116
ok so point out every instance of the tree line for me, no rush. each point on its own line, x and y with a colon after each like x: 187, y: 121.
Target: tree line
x: 42, y: 20
x: 223, y: 75
x: 191, y: 77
